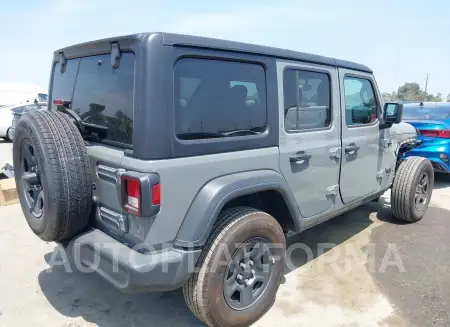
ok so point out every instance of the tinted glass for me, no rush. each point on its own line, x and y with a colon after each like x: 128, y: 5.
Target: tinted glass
x: 219, y: 99
x: 360, y: 103
x: 42, y: 97
x: 18, y: 110
x: 307, y: 101
x: 32, y: 107
x: 104, y: 95
x: 63, y: 82
x: 426, y: 113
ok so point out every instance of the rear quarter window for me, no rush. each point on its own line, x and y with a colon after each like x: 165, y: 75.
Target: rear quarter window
x: 216, y: 99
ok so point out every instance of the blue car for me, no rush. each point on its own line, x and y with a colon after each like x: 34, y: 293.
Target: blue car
x: 432, y: 121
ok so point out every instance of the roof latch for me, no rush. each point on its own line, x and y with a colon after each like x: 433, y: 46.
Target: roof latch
x: 62, y: 62
x: 115, y: 55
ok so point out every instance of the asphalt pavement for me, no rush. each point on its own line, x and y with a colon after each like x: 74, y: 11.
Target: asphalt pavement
x: 363, y: 268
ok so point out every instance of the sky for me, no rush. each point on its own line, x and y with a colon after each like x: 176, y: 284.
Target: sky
x: 401, y: 40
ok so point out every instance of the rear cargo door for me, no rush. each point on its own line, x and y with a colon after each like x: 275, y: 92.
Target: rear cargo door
x: 102, y: 96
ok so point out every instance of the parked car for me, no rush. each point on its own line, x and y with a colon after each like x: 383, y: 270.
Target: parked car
x: 7, y: 115
x: 432, y: 120
x: 170, y: 161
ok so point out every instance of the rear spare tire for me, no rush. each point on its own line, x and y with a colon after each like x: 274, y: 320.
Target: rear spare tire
x: 412, y: 189
x: 52, y: 175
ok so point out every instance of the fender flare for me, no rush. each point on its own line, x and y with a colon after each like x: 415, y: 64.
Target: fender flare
x: 213, y: 196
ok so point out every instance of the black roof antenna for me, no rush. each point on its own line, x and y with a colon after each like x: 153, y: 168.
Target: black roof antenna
x: 421, y: 104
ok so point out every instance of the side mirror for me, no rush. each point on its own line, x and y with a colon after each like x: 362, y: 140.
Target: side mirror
x: 393, y: 112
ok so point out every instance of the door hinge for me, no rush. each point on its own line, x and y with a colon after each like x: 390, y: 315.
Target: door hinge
x: 333, y: 190
x: 335, y: 152
x: 386, y: 143
x: 381, y: 173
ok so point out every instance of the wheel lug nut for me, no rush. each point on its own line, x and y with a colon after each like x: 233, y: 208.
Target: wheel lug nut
x: 251, y: 263
x: 239, y: 277
x: 242, y: 265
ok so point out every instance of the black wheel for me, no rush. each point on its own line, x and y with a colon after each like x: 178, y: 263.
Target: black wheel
x: 412, y: 189
x: 239, y: 271
x: 9, y: 135
x: 51, y: 170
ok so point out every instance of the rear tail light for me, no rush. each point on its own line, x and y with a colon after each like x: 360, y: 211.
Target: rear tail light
x: 131, y: 195
x: 436, y: 133
x: 141, y: 194
x: 62, y: 103
x: 156, y: 194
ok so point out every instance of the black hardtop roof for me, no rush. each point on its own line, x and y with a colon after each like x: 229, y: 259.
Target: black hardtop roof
x: 211, y: 43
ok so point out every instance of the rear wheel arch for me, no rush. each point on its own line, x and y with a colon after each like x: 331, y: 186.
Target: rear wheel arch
x: 240, y: 189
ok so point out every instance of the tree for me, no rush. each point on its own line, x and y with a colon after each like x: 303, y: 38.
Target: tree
x: 410, y: 91
x: 413, y: 92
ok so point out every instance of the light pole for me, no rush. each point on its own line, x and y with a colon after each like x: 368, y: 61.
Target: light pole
x: 426, y: 87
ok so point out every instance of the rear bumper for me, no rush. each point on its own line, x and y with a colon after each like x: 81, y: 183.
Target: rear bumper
x: 129, y: 270
x: 432, y: 153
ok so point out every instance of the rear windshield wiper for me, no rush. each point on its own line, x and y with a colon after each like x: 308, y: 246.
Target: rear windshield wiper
x: 64, y: 107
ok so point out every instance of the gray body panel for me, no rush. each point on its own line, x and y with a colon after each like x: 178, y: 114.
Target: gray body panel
x: 310, y: 180
x: 359, y: 168
x: 214, y: 195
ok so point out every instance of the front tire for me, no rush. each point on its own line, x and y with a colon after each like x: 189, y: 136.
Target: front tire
x: 239, y: 271
x: 412, y: 189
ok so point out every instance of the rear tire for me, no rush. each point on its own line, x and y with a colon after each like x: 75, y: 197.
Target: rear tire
x: 412, y: 189
x: 9, y: 136
x: 210, y: 292
x: 52, y: 175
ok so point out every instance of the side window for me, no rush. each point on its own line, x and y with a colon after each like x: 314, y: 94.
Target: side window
x: 188, y: 85
x: 307, y: 101
x: 18, y: 110
x: 361, y: 106
x: 216, y: 99
x: 32, y: 107
x: 63, y: 83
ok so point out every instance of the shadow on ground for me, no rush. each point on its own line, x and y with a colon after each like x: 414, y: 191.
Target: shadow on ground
x: 75, y: 294
x: 419, y: 287
x: 88, y: 296
x: 441, y: 180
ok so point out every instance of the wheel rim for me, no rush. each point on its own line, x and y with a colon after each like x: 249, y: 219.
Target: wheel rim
x: 31, y: 180
x: 421, y: 195
x: 248, y: 274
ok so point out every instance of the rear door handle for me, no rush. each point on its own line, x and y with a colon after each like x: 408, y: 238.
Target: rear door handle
x: 351, y: 148
x: 300, y: 157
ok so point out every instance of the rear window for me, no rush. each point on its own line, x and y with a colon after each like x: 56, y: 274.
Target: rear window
x: 102, y: 95
x: 219, y: 99
x: 42, y: 97
x: 426, y: 113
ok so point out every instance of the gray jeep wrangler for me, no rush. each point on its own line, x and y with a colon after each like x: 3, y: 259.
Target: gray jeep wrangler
x: 168, y: 161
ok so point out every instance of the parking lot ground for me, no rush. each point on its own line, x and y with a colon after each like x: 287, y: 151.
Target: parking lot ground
x: 362, y: 268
